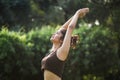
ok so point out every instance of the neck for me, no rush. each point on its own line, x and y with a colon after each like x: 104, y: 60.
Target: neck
x: 55, y: 47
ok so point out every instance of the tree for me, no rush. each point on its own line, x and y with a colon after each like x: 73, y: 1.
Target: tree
x: 95, y: 56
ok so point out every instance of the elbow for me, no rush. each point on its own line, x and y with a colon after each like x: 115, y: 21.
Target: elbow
x: 71, y: 27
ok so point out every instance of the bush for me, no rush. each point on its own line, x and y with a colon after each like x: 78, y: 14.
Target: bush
x: 95, y: 57
x: 15, y: 57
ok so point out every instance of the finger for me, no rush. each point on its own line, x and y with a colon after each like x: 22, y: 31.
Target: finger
x: 86, y: 10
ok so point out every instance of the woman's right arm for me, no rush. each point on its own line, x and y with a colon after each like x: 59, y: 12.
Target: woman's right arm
x: 64, y: 49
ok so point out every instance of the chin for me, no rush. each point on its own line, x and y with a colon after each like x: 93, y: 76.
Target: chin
x: 53, y: 41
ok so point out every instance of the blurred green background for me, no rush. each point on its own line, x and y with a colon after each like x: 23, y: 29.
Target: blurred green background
x: 26, y: 26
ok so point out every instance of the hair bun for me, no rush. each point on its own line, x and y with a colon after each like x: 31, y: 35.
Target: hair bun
x: 74, y: 41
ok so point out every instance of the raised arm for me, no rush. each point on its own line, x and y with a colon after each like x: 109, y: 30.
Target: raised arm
x: 65, y: 25
x: 64, y: 49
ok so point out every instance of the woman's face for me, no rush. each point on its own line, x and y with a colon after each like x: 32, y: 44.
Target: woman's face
x: 56, y: 38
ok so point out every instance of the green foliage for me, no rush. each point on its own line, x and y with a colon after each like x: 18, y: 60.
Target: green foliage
x: 15, y: 57
x: 31, y: 13
x: 100, y: 46
x: 14, y: 12
x: 56, y: 15
x: 39, y: 38
x: 95, y: 57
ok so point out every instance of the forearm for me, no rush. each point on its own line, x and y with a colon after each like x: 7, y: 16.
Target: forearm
x: 74, y: 20
x: 65, y: 25
x: 71, y: 26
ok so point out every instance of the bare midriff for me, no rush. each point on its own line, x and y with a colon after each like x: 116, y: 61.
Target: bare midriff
x: 48, y: 75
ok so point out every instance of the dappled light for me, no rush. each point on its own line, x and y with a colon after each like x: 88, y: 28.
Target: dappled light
x: 27, y: 25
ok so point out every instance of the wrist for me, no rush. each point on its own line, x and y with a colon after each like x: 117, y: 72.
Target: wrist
x: 77, y: 13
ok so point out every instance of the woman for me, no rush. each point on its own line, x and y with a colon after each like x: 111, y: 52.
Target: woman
x: 53, y: 63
